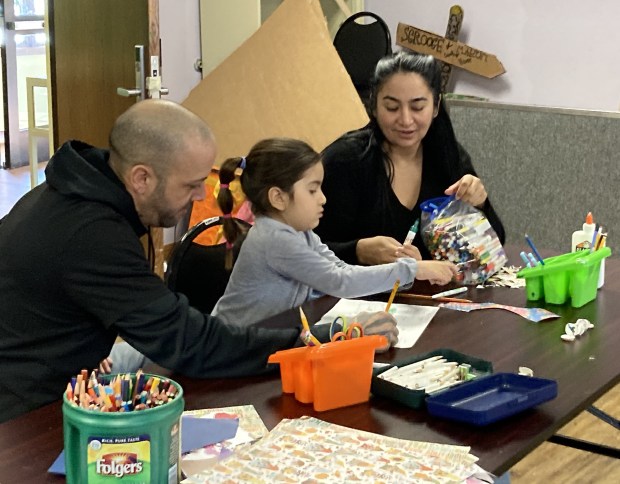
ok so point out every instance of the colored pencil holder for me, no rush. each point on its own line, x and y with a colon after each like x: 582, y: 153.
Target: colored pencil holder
x: 331, y: 375
x: 571, y: 276
x: 137, y: 446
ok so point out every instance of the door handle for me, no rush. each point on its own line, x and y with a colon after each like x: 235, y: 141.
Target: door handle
x: 139, y: 90
x: 121, y: 91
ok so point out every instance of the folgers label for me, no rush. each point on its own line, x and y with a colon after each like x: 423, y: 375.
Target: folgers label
x: 126, y: 458
x: 118, y: 465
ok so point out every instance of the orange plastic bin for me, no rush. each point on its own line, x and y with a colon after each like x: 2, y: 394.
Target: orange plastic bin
x: 331, y: 375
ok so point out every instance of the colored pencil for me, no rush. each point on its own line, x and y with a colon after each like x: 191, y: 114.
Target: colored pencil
x: 533, y: 247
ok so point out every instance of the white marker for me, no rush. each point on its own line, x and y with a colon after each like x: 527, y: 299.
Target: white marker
x: 451, y: 292
x: 412, y: 233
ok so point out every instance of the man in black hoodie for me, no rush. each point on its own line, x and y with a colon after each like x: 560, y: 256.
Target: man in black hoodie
x: 73, y: 274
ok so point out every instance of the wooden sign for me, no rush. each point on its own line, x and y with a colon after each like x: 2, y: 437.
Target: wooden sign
x: 455, y: 21
x: 450, y: 51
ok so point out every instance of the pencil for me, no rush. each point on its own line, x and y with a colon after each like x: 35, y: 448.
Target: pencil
x: 436, y: 299
x: 599, y: 239
x: 307, y: 337
x: 304, y: 320
x: 393, y: 293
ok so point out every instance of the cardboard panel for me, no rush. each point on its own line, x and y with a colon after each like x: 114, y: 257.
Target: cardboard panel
x: 285, y: 80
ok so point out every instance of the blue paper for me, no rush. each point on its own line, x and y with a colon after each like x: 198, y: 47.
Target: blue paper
x: 196, y: 432
x: 58, y: 467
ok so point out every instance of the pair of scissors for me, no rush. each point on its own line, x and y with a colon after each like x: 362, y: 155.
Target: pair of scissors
x: 347, y: 331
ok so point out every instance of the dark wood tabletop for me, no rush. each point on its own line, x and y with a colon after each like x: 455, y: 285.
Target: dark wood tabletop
x: 584, y: 370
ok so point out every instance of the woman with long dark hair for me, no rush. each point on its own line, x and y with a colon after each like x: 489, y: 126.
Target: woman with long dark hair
x: 376, y: 177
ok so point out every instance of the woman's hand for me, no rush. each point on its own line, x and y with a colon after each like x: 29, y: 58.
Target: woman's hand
x: 436, y: 272
x: 408, y: 250
x: 469, y: 189
x: 382, y: 250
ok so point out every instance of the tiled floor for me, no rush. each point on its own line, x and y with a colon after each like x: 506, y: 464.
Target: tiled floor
x: 14, y: 184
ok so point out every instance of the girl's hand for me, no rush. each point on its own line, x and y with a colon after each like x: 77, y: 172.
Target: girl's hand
x: 469, y: 189
x: 436, y: 272
x: 382, y: 250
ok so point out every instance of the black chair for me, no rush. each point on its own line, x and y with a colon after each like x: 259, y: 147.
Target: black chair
x: 360, y: 46
x: 197, y: 270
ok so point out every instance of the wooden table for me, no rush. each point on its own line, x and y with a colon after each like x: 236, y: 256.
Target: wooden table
x: 584, y: 369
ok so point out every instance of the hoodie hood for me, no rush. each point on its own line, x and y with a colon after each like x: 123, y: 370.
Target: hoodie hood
x: 82, y: 171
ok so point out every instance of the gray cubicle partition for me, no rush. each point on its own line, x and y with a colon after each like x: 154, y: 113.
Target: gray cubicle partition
x: 544, y: 168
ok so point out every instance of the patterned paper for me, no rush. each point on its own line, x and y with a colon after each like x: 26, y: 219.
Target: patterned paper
x: 533, y: 314
x: 309, y: 450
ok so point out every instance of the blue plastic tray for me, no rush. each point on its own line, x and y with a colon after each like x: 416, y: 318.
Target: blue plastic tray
x: 416, y: 398
x: 491, y: 398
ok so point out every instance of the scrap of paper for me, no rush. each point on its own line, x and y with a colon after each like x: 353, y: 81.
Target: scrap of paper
x: 311, y: 450
x: 533, y: 314
x: 412, y: 320
x: 201, y: 431
x: 251, y: 428
x: 505, y: 277
x: 249, y: 420
x: 579, y: 327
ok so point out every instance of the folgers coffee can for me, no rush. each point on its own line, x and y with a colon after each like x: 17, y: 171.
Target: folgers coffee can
x: 130, y: 446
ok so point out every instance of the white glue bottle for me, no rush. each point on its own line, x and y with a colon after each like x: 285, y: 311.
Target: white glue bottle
x: 583, y: 238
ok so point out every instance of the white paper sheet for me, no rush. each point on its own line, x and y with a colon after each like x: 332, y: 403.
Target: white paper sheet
x: 412, y: 320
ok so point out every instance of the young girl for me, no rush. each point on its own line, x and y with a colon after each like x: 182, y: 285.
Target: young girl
x: 282, y: 262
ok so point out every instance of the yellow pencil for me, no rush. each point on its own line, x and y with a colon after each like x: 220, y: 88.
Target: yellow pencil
x: 307, y: 337
x: 304, y: 320
x: 391, y: 299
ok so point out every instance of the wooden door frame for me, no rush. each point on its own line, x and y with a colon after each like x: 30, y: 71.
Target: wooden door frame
x: 152, y: 49
x: 15, y: 138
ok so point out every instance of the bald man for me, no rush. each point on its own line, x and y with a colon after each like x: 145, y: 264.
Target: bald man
x: 73, y: 274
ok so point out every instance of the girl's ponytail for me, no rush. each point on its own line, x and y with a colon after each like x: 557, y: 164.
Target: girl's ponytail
x: 232, y: 228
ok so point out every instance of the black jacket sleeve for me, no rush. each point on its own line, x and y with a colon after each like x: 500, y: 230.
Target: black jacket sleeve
x: 178, y: 337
